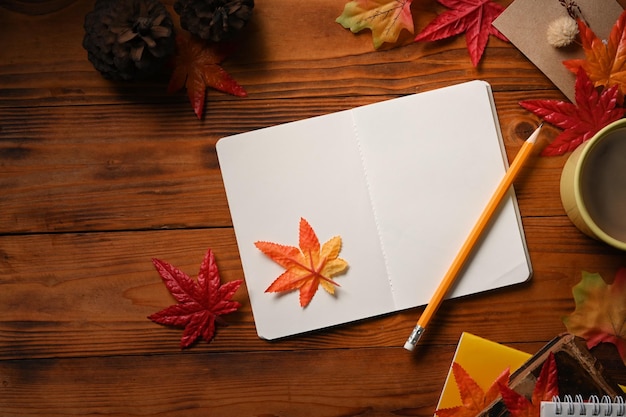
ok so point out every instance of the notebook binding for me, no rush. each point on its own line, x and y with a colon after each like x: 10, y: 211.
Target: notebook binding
x: 595, y: 406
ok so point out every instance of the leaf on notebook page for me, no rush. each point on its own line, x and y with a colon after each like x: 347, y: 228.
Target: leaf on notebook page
x: 473, y: 397
x: 605, y: 63
x: 306, y: 267
x: 474, y: 17
x: 546, y: 387
x: 196, y: 67
x: 600, y: 313
x: 593, y: 111
x: 385, y: 18
x: 200, y: 304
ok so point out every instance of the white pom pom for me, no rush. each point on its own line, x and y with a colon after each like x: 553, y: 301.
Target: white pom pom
x: 562, y: 32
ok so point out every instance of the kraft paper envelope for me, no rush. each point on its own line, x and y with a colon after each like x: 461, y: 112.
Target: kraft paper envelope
x: 525, y: 23
x: 402, y: 182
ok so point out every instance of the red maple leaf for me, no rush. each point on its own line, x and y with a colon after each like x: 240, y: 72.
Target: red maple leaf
x: 472, y: 395
x: 474, y: 17
x: 201, y: 304
x: 308, y: 266
x: 592, y: 112
x: 546, y: 388
x: 196, y: 68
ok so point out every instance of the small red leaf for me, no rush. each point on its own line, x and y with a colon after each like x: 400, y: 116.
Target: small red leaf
x: 474, y: 17
x: 196, y: 67
x: 201, y: 303
x: 546, y: 387
x: 518, y: 405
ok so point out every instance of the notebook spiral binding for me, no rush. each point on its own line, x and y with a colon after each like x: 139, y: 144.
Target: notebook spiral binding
x: 604, y: 407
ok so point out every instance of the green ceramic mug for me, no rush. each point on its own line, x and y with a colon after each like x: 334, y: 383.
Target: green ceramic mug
x: 593, y: 185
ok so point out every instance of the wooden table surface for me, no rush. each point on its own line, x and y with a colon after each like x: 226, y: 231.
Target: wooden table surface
x: 98, y: 178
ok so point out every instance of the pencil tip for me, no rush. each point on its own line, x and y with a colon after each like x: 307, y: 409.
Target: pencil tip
x: 533, y: 136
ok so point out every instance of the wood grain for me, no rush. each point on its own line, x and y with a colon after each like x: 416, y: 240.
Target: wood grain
x: 226, y: 384
x: 97, y: 178
x: 70, y: 294
x: 122, y: 167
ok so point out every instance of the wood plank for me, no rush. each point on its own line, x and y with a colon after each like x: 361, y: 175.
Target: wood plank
x: 379, y: 382
x: 158, y: 169
x: 90, y: 294
x: 49, y: 67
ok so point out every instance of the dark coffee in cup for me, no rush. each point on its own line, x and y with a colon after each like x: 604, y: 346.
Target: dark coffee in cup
x: 603, y: 184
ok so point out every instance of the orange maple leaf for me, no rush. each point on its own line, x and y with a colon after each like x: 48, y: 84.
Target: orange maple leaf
x: 308, y: 266
x: 546, y: 388
x: 605, y: 63
x: 196, y: 68
x: 472, y: 395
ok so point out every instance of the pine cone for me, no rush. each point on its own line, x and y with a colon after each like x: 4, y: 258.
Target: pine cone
x: 214, y: 20
x: 128, y: 39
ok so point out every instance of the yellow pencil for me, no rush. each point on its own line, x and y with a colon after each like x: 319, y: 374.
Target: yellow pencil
x: 469, y: 244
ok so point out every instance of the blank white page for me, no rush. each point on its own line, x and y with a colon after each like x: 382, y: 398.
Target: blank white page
x: 432, y: 162
x: 310, y: 169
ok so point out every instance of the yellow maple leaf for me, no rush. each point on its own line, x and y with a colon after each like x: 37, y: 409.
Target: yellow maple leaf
x: 385, y: 18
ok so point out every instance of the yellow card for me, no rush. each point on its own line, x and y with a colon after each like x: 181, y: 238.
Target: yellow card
x: 484, y: 360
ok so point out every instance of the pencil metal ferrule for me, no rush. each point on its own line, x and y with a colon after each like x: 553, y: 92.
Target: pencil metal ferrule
x: 414, y: 337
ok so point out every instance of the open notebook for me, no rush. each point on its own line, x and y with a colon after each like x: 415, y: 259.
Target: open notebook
x: 401, y: 181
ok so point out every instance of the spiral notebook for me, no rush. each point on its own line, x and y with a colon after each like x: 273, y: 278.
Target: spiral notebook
x: 577, y: 406
x: 401, y: 181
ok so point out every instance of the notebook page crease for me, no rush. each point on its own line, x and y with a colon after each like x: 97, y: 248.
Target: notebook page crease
x: 357, y: 139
